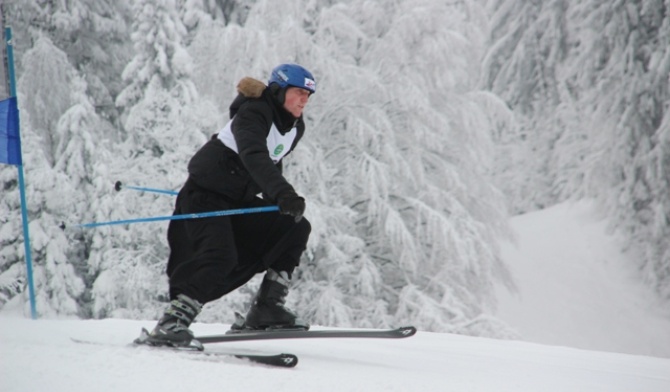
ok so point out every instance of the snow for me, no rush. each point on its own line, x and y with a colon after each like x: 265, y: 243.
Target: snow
x: 39, y: 356
x: 575, y: 289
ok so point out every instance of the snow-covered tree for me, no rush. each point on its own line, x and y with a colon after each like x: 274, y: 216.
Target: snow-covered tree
x: 588, y: 82
x: 225, y: 11
x: 529, y: 40
x: 393, y: 165
x: 46, y: 93
x: 393, y: 161
x: 622, y: 67
x: 404, y: 145
x: 163, y: 121
x: 93, y: 34
x: 59, y: 157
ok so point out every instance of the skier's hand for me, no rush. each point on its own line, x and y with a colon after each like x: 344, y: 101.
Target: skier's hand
x: 291, y: 204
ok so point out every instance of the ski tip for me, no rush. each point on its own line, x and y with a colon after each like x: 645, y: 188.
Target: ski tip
x: 289, y: 360
x: 406, y: 332
x: 280, y: 360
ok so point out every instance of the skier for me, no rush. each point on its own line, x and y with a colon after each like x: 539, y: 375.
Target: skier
x: 211, y: 257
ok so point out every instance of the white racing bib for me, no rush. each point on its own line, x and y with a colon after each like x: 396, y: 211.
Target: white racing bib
x: 278, y: 144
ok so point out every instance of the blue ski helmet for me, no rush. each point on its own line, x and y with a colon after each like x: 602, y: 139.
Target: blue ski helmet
x: 294, y: 75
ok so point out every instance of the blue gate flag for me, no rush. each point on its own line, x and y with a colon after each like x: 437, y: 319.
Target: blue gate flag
x: 10, y: 139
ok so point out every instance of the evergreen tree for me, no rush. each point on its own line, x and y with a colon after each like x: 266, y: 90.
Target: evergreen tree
x: 405, y: 147
x: 163, y: 121
x: 60, y: 156
x: 393, y: 165
x: 378, y: 240
x: 529, y: 42
x: 92, y: 33
x: 224, y: 11
x: 588, y: 83
x: 625, y: 59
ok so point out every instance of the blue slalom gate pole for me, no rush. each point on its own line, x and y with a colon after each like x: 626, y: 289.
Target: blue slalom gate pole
x: 26, y: 245
x: 22, y: 184
x: 198, y: 215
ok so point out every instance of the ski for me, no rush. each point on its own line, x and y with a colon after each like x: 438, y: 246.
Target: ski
x: 195, y: 346
x: 279, y: 360
x: 397, y: 333
x: 283, y: 360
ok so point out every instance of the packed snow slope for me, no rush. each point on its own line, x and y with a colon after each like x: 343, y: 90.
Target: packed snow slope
x: 40, y: 356
x: 576, y: 288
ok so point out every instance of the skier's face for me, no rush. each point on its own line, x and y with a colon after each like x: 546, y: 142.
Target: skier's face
x: 296, y: 100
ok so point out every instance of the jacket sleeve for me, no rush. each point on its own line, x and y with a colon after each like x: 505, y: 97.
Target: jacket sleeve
x: 250, y: 128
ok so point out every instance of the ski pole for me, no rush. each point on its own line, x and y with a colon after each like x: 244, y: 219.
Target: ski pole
x: 119, y: 185
x: 198, y: 215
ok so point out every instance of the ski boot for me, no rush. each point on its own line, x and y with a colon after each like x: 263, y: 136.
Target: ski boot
x: 172, y: 329
x: 268, y: 311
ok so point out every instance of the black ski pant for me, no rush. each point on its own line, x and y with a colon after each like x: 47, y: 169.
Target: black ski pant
x: 210, y: 257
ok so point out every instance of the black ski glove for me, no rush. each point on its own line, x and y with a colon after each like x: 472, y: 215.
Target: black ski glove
x: 291, y: 204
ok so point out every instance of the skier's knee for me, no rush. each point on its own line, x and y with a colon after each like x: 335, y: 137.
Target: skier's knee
x: 302, y: 230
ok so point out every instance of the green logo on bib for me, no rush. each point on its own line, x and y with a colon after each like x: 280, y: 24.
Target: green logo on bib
x: 279, y: 149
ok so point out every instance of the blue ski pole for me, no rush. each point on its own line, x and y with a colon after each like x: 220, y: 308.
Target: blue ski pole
x: 198, y: 215
x: 119, y: 185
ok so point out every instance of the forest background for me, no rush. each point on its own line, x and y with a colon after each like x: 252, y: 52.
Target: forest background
x: 433, y: 122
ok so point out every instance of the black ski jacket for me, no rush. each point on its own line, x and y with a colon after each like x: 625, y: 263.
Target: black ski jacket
x: 239, y: 177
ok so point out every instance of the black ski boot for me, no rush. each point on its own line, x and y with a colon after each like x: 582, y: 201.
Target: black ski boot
x: 172, y: 329
x: 268, y: 310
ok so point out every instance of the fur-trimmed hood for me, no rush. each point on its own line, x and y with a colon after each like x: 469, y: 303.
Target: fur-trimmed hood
x: 250, y: 87
x: 254, y: 92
